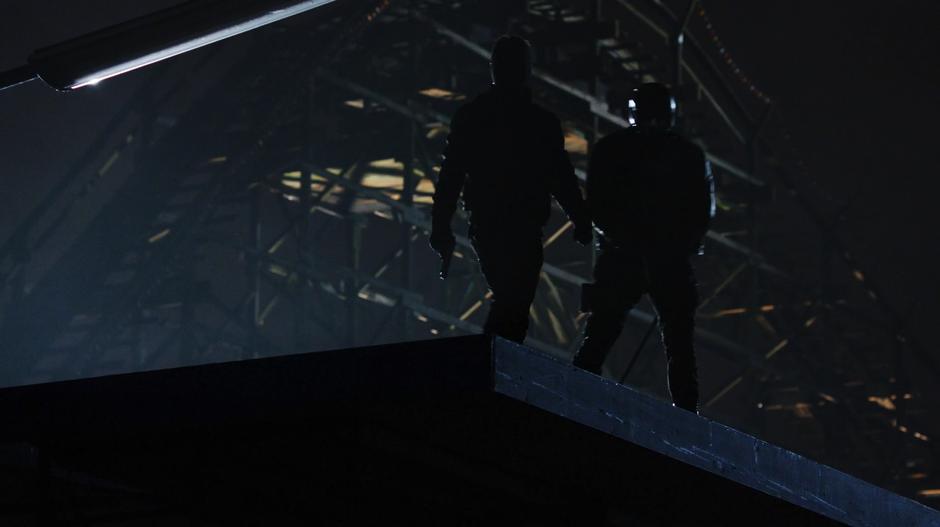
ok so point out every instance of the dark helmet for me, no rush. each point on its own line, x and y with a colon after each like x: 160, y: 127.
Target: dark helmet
x: 511, y: 61
x: 652, y: 105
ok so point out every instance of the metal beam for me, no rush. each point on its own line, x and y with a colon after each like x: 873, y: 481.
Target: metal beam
x: 722, y: 345
x: 411, y: 113
x: 598, y: 107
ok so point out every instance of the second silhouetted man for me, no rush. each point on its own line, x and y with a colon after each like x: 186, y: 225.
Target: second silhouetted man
x: 651, y: 194
x: 507, y: 156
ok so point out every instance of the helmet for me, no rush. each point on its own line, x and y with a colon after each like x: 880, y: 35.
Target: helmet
x: 651, y: 105
x: 511, y: 61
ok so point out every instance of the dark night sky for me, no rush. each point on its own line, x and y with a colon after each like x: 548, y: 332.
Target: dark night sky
x: 857, y: 82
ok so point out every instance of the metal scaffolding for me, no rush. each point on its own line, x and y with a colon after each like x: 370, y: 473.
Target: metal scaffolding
x: 287, y: 209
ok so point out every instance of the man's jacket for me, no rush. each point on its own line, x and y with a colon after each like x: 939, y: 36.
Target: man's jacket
x: 508, y: 156
x: 650, y: 189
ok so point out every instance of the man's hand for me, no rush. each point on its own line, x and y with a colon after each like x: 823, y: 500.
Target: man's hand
x: 443, y: 242
x: 584, y: 233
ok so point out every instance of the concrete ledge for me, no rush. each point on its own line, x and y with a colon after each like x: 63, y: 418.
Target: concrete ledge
x: 557, y: 387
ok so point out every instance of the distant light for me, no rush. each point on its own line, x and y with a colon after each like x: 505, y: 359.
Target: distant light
x: 159, y: 236
x: 884, y: 402
x: 381, y: 181
x: 471, y: 310
x: 802, y: 411
x: 575, y: 143
x: 730, y: 311
x: 388, y: 163
x: 425, y: 186
x: 439, y: 93
x: 783, y: 343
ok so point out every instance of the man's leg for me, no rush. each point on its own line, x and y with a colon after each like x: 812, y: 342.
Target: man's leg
x: 511, y: 265
x: 675, y: 296
x: 617, y: 287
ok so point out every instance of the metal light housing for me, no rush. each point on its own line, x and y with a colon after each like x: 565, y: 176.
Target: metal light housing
x: 92, y: 58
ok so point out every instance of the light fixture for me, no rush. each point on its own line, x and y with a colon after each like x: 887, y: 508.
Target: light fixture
x: 92, y: 58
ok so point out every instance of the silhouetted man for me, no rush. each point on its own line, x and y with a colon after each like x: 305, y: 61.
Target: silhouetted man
x: 508, y: 156
x: 651, y: 195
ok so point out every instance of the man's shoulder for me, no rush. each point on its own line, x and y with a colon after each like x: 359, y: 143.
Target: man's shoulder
x: 543, y: 112
x: 486, y: 104
x: 689, y: 147
x: 467, y: 109
x: 618, y: 139
x: 481, y: 99
x: 543, y: 119
x: 669, y: 138
x: 680, y: 138
x: 474, y: 109
x: 630, y: 139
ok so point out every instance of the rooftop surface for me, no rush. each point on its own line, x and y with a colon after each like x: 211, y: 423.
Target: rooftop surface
x: 461, y: 430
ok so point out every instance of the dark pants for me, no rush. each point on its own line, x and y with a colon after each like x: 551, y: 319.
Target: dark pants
x: 511, y: 262
x: 621, y: 278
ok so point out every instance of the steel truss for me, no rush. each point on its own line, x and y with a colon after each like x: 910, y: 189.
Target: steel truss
x: 288, y: 210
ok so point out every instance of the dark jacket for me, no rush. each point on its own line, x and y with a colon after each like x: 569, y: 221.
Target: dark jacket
x: 650, y: 189
x: 507, y: 155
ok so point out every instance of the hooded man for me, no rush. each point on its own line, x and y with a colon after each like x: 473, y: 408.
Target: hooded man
x: 506, y: 155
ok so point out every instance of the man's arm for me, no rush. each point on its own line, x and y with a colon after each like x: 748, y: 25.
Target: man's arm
x: 447, y: 191
x: 564, y: 187
x: 704, y: 196
x: 602, y: 196
x: 451, y: 178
